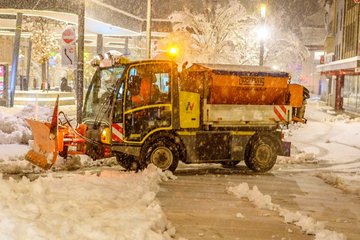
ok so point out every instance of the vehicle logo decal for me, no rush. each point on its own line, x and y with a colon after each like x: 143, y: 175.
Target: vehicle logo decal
x: 190, y: 107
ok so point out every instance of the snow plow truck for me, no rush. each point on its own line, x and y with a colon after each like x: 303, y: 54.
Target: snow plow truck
x: 204, y: 113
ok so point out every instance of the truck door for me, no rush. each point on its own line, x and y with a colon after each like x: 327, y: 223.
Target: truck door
x: 148, y: 100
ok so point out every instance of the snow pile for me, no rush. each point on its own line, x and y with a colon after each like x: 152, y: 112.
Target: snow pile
x: 341, y: 118
x: 292, y: 127
x: 328, y: 141
x: 17, y: 166
x: 239, y: 215
x: 13, y: 128
x: 42, y: 113
x: 297, y: 158
x: 347, y: 182
x: 307, y: 224
x: 113, y: 205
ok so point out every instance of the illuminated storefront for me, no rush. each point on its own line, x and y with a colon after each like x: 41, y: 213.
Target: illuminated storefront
x: 344, y: 82
x: 351, y: 93
x: 341, y: 61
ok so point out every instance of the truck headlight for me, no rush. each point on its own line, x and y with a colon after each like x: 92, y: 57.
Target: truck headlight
x: 105, y: 136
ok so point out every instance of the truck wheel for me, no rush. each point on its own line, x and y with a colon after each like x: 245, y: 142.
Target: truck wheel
x: 64, y: 152
x: 229, y: 164
x: 163, y: 153
x: 127, y: 161
x: 261, y: 153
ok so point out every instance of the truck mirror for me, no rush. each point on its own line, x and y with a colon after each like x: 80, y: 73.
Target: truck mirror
x: 134, y: 85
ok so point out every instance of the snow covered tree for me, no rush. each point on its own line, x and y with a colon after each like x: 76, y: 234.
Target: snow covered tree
x: 227, y: 33
x: 286, y: 48
x: 214, y: 34
x: 43, y: 41
x: 286, y: 45
x: 291, y: 16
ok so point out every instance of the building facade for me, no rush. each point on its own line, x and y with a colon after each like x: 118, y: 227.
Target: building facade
x: 313, y: 33
x: 340, y: 68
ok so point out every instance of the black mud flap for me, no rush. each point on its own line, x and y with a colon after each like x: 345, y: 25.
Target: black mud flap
x: 286, y: 149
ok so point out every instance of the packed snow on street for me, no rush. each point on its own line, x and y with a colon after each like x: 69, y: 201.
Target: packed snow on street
x: 100, y: 201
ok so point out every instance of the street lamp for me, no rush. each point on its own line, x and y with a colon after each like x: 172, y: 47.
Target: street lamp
x: 173, y: 51
x: 263, y: 10
x: 262, y: 33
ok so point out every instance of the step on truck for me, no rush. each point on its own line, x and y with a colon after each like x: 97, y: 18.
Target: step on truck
x: 148, y: 111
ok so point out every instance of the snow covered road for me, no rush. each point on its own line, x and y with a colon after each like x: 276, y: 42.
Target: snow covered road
x: 200, y: 207
x: 318, y: 186
x: 314, y: 194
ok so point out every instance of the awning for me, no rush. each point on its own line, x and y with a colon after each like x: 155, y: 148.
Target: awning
x: 349, y: 65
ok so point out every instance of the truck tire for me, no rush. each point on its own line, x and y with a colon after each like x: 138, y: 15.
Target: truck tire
x: 163, y: 153
x: 261, y: 152
x: 64, y: 152
x: 128, y: 162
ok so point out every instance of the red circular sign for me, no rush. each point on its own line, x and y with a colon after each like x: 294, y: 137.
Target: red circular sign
x: 68, y: 35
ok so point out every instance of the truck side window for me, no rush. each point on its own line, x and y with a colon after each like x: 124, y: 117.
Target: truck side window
x: 148, y: 84
x: 163, y: 84
x: 139, y: 85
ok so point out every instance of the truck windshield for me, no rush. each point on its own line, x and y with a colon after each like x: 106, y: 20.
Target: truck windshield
x: 101, y: 92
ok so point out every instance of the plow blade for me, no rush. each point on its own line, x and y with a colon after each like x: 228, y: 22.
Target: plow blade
x: 45, y: 152
x: 45, y: 134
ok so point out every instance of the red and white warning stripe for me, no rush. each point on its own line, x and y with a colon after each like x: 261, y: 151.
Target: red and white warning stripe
x: 117, y: 132
x: 281, y: 112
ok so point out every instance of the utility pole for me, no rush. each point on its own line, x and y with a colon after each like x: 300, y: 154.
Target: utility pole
x: 126, y: 47
x: 148, y: 30
x: 80, y: 61
x: 28, y: 64
x: 15, y: 62
x: 99, y: 44
x: 261, y: 60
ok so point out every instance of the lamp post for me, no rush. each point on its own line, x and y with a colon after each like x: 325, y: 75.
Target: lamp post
x: 148, y: 30
x: 261, y: 33
x: 80, y: 61
x: 261, y: 58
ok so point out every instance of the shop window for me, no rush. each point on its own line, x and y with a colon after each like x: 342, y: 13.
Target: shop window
x: 351, y: 93
x: 353, y: 90
x: 346, y: 91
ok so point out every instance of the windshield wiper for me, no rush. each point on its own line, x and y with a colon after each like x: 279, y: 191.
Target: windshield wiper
x: 104, y: 104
